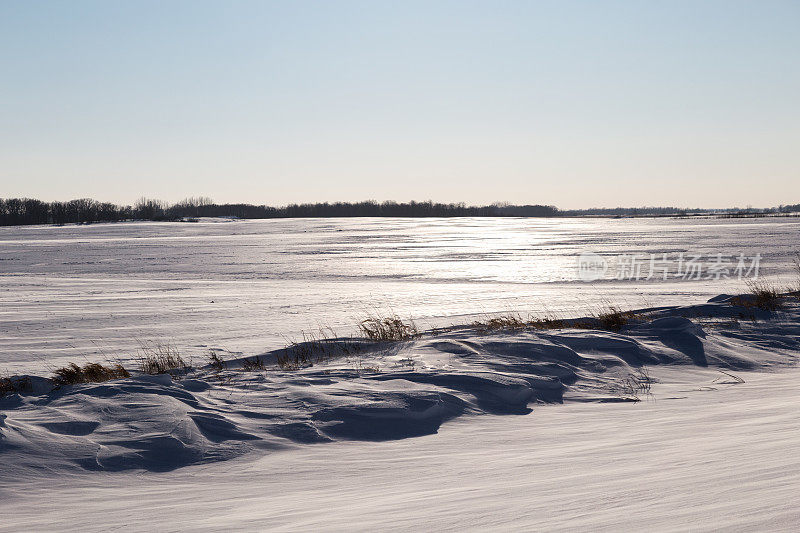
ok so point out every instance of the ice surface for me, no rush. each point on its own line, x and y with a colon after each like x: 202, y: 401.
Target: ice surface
x: 89, y: 292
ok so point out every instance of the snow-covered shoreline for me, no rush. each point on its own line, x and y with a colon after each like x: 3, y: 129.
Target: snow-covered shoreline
x: 528, y: 428
x: 380, y: 392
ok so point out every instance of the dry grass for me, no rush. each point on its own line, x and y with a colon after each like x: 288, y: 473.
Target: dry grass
x: 548, y: 323
x: 762, y: 295
x: 513, y: 321
x: 635, y: 385
x: 14, y: 385
x: 390, y: 328
x: 216, y: 362
x: 253, y: 365
x: 158, y: 358
x: 506, y: 322
x: 292, y: 361
x: 610, y: 318
x: 766, y: 296
x: 613, y: 318
x: 299, y: 355
x: 89, y: 373
x: 314, y: 348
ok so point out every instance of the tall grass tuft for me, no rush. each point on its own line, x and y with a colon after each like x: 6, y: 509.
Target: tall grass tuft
x: 292, y: 360
x: 216, y: 362
x: 88, y: 373
x: 390, y: 328
x: 762, y: 295
x: 513, y: 321
x: 253, y: 365
x: 159, y: 358
x: 314, y: 348
x: 613, y: 318
x: 548, y: 322
x: 507, y: 322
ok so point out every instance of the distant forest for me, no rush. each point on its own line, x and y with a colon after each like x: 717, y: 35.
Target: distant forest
x: 26, y: 211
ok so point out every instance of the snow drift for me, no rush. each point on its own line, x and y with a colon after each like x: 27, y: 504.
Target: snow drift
x: 382, y: 391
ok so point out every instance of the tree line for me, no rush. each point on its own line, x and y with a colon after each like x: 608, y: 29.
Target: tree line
x: 26, y: 211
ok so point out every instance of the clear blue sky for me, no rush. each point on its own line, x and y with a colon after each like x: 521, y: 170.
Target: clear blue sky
x: 570, y: 103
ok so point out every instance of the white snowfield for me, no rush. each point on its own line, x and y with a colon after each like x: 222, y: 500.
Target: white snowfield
x: 525, y: 429
x: 77, y: 293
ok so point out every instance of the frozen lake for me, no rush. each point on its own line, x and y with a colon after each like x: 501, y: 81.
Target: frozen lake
x: 81, y: 291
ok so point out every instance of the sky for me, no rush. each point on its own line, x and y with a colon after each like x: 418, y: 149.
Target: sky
x: 570, y: 103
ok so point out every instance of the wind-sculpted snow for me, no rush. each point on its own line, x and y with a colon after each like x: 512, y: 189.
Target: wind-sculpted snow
x: 380, y: 391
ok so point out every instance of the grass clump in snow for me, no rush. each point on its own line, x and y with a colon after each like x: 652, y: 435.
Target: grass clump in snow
x: 610, y: 318
x: 302, y: 354
x: 253, y: 365
x: 13, y: 385
x: 313, y: 349
x: 291, y: 360
x: 390, y: 328
x: 766, y: 296
x: 547, y: 323
x: 634, y: 386
x: 216, y: 362
x: 614, y: 319
x: 506, y: 322
x: 513, y: 321
x: 761, y: 295
x: 158, y: 358
x: 89, y: 373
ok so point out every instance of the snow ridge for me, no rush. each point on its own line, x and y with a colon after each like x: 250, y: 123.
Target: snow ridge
x: 386, y: 391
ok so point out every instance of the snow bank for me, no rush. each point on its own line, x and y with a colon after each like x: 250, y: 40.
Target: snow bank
x: 380, y: 392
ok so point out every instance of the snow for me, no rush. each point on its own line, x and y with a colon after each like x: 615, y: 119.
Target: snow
x: 90, y: 292
x: 328, y: 444
x: 376, y: 391
x: 685, y: 419
x: 701, y: 457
